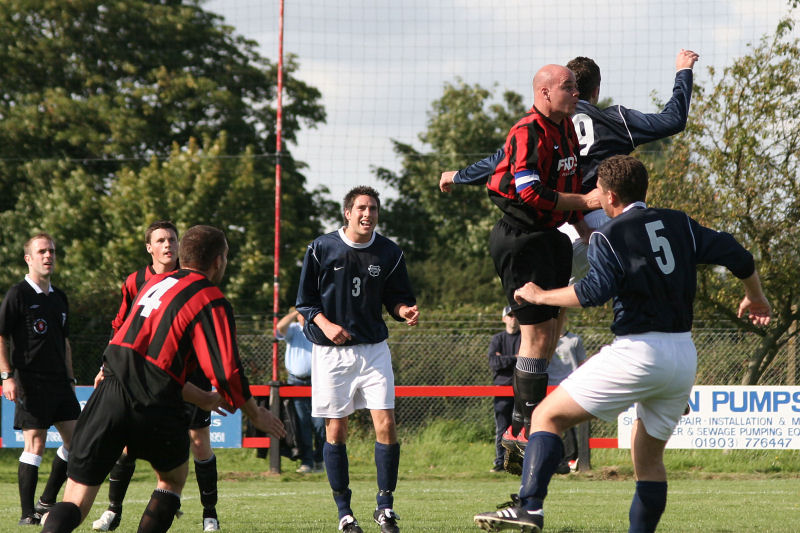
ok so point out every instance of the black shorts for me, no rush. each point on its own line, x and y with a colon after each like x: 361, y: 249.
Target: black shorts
x: 109, y: 422
x: 42, y: 402
x: 196, y: 417
x: 544, y: 257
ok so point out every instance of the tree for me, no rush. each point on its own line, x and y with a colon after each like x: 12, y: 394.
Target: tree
x: 737, y: 168
x: 113, y: 114
x: 445, y: 235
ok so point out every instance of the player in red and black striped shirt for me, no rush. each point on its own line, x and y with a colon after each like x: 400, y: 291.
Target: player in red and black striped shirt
x: 161, y: 242
x: 537, y: 185
x: 179, y: 321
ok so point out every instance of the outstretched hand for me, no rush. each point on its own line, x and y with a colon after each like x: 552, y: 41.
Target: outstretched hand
x: 446, y: 181
x: 268, y: 423
x: 758, y: 310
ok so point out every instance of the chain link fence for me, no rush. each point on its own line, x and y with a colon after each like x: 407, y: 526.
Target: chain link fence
x: 455, y: 352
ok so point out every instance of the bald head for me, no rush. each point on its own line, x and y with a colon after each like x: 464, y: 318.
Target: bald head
x: 555, y: 92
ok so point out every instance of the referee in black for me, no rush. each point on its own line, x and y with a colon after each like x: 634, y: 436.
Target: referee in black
x: 37, y: 376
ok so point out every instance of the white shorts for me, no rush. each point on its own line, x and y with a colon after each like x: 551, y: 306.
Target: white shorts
x: 656, y: 371
x: 580, y: 264
x: 346, y: 378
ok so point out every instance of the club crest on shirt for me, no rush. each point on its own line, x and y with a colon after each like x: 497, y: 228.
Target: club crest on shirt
x: 40, y: 326
x: 374, y: 270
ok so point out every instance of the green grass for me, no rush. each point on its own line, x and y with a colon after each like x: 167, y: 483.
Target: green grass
x: 444, y: 481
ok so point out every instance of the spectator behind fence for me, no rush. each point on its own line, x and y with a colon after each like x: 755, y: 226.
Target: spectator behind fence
x: 568, y: 356
x: 503, y: 350
x: 311, y: 429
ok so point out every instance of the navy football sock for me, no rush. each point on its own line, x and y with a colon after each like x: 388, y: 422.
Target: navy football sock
x: 649, y: 502
x: 387, y: 463
x: 542, y: 456
x: 338, y: 470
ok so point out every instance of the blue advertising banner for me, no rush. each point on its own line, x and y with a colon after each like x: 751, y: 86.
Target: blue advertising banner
x: 226, y: 431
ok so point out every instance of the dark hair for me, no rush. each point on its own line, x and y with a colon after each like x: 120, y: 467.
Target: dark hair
x: 587, y: 75
x: 161, y: 224
x: 26, y: 248
x: 626, y: 176
x: 200, y: 245
x: 355, y: 192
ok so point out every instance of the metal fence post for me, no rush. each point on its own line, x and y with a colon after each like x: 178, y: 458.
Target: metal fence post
x: 275, y: 442
x: 584, y: 453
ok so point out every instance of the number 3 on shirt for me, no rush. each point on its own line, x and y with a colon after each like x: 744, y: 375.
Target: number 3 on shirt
x: 151, y: 300
x: 356, y: 287
x: 660, y: 243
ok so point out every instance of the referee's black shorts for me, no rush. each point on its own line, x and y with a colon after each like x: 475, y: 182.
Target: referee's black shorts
x: 543, y: 256
x: 43, y: 401
x: 109, y: 422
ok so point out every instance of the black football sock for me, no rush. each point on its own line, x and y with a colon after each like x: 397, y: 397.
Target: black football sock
x: 118, y: 481
x: 530, y: 387
x: 160, y: 512
x: 206, y: 473
x: 27, y: 478
x: 62, y: 518
x: 58, y: 475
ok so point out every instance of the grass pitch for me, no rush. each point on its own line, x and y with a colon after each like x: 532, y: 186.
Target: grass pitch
x: 443, y: 485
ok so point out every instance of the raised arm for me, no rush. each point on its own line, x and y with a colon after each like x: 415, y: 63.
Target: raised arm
x: 648, y: 127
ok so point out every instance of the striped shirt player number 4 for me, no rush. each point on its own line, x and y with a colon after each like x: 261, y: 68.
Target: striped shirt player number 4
x: 151, y: 300
x: 660, y: 245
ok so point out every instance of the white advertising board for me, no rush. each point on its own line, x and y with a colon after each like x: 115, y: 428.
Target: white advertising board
x: 732, y: 417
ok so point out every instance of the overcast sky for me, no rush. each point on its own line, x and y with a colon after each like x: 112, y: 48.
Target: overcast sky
x: 380, y: 63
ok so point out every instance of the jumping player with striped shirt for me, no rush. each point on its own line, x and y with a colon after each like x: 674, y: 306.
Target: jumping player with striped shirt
x: 537, y: 185
x: 178, y: 322
x: 646, y: 260
x: 601, y: 133
x: 348, y: 276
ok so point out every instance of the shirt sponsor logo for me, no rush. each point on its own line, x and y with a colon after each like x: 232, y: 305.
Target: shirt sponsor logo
x: 568, y: 163
x: 374, y: 270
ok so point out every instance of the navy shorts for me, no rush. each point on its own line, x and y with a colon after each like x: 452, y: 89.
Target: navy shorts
x: 42, y: 402
x: 109, y: 422
x: 544, y: 257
